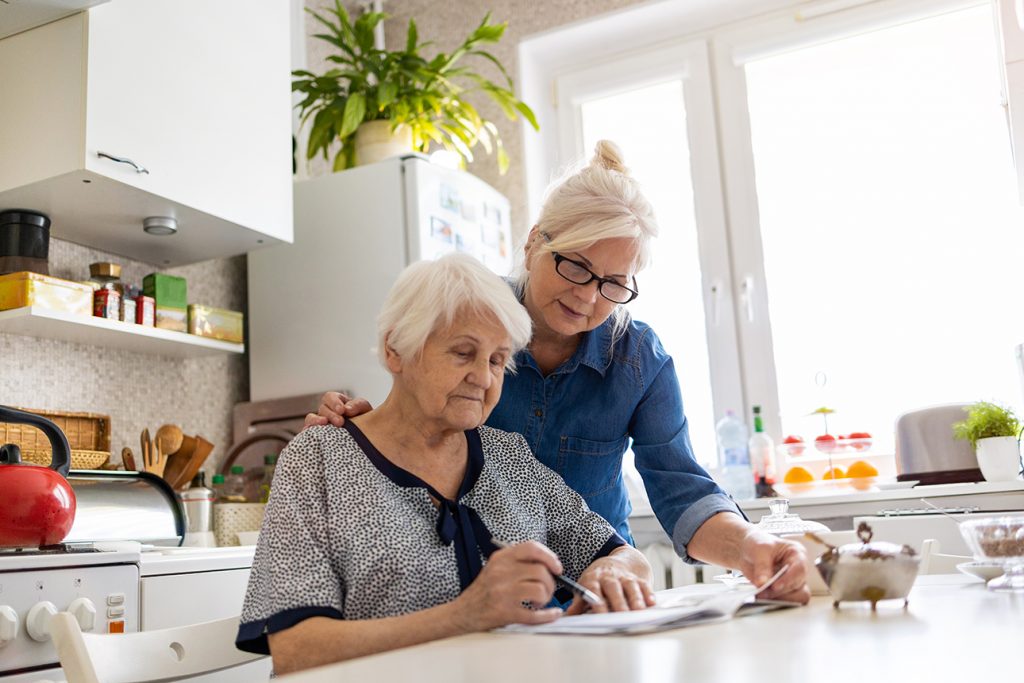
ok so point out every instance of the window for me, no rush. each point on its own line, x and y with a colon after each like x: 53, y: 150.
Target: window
x: 850, y: 199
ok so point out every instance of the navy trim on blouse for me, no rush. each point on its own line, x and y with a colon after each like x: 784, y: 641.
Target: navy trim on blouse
x: 457, y: 524
x: 252, y: 635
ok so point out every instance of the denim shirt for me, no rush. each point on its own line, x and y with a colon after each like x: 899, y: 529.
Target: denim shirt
x: 580, y: 419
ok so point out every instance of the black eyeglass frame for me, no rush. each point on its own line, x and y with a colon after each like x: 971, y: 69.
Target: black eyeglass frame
x: 559, y: 258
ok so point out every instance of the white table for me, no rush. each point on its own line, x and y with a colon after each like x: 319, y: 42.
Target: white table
x: 954, y: 630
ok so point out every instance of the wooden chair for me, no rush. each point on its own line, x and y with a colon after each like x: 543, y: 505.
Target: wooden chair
x: 167, y: 654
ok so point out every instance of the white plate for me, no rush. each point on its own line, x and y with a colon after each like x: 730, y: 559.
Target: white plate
x: 895, y: 485
x: 983, y: 570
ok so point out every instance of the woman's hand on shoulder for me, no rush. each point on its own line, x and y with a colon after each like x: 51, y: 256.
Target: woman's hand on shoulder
x: 614, y: 577
x: 334, y: 408
x: 522, y: 573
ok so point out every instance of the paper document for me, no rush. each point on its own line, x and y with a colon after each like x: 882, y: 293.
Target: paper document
x: 697, y: 604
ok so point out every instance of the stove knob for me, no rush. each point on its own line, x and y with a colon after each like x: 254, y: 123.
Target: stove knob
x: 84, y: 612
x: 8, y: 624
x: 37, y: 622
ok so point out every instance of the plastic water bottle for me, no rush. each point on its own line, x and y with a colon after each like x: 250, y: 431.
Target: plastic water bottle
x: 734, y: 473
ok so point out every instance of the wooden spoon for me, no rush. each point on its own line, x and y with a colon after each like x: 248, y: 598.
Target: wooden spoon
x: 128, y: 458
x: 169, y: 438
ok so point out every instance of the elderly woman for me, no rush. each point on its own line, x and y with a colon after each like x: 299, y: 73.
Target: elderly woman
x: 379, y: 535
x: 593, y: 382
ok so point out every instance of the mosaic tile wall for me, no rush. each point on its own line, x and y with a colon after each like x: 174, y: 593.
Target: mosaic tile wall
x: 136, y: 390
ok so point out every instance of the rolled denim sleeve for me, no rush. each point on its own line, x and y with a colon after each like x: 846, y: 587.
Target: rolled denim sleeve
x: 682, y: 494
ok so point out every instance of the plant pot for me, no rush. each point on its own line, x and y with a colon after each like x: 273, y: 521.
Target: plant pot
x: 999, y: 458
x: 375, y: 141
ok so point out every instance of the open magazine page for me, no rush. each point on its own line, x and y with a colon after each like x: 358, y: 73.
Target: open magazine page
x: 676, y: 608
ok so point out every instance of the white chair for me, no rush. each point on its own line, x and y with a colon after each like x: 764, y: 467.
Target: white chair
x: 934, y: 562
x: 167, y: 654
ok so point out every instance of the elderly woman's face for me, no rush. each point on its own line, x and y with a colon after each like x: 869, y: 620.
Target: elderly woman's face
x: 457, y: 378
x: 567, y: 308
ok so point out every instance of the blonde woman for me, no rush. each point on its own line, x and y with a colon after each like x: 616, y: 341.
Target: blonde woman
x: 592, y: 382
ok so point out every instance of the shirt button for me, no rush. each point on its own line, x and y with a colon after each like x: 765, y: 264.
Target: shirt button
x: 538, y: 412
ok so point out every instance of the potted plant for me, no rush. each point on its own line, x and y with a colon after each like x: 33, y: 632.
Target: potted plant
x: 994, y: 432
x: 422, y: 99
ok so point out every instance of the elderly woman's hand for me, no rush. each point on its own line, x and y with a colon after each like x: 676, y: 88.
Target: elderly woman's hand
x: 522, y: 573
x: 763, y: 554
x: 334, y: 408
x: 616, y: 578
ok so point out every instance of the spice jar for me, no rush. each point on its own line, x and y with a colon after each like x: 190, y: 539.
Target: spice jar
x: 106, y: 301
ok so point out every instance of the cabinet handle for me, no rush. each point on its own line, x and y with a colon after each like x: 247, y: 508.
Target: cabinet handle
x: 122, y: 160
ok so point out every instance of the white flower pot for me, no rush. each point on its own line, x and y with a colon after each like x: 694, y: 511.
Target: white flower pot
x: 375, y: 141
x: 999, y: 458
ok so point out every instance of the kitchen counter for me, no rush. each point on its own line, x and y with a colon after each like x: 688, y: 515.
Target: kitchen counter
x: 837, y: 508
x: 954, y: 629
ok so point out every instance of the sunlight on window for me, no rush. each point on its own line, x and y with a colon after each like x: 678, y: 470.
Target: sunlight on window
x: 649, y: 124
x: 891, y: 226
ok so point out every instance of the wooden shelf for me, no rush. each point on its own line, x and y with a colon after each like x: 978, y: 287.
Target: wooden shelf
x: 33, y: 321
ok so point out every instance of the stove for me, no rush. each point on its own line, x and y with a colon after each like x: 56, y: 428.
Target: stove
x: 97, y: 583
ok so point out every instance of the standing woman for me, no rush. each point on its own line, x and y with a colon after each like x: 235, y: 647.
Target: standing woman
x: 594, y: 382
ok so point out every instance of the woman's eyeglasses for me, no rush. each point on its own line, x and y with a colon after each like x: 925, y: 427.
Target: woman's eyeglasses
x: 578, y: 274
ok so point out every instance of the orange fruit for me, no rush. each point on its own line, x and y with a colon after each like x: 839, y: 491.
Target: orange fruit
x: 861, y: 469
x: 798, y: 475
x: 834, y: 473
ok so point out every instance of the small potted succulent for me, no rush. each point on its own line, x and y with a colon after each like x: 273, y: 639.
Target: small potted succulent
x: 370, y: 93
x: 994, y: 432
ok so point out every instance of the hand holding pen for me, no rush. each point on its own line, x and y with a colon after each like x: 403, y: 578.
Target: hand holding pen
x: 588, y: 596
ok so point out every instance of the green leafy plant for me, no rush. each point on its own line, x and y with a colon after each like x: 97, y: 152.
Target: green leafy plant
x: 404, y: 87
x: 984, y: 420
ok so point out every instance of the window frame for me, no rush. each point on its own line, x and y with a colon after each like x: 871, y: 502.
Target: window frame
x: 562, y: 68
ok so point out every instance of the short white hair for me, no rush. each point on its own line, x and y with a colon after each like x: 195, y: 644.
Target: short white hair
x: 428, y: 296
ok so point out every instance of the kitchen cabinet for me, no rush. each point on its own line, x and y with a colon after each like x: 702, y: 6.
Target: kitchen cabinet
x: 34, y: 321
x: 193, y: 95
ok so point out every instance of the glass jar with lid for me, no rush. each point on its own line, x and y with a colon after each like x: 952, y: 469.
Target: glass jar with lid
x: 781, y: 521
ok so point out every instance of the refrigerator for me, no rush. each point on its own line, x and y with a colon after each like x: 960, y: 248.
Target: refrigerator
x: 313, y: 304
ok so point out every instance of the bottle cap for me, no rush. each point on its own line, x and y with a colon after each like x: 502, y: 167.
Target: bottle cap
x: 757, y: 410
x: 218, y: 479
x: 237, y: 469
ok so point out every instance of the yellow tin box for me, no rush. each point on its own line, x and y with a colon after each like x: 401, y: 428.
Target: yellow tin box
x: 171, y: 318
x: 18, y: 290
x: 217, y: 323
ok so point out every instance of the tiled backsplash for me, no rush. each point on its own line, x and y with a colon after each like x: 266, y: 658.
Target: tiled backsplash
x: 135, y: 390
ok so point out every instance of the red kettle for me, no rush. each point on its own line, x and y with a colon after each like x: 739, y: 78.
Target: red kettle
x: 37, y: 504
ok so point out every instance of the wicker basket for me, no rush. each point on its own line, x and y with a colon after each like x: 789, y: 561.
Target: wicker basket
x: 80, y: 460
x: 88, y: 435
x: 230, y: 518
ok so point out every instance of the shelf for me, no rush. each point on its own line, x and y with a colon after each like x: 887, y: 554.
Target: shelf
x: 34, y: 321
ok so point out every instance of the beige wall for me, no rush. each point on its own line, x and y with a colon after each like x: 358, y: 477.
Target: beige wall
x: 135, y: 390
x: 447, y: 23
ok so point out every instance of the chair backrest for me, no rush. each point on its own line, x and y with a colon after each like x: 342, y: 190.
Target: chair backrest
x: 166, y: 654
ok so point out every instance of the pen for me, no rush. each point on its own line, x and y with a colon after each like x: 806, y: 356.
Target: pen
x: 589, y: 596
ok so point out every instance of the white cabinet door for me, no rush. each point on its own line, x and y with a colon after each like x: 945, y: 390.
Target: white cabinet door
x: 195, y: 92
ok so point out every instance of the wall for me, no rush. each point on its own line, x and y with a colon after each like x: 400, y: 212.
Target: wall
x: 135, y: 390
x: 447, y: 23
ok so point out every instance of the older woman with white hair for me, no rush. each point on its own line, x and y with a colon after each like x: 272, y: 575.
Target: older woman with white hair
x: 388, y: 532
x: 594, y: 382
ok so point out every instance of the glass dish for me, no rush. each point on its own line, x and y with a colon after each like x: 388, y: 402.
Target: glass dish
x: 998, y: 539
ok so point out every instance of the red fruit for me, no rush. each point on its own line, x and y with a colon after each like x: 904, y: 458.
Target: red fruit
x: 862, y: 440
x: 794, y: 445
x: 826, y: 443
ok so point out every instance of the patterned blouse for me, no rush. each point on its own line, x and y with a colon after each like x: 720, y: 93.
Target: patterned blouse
x: 349, y: 535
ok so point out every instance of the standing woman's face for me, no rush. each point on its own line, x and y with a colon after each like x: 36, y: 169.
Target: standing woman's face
x: 569, y: 309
